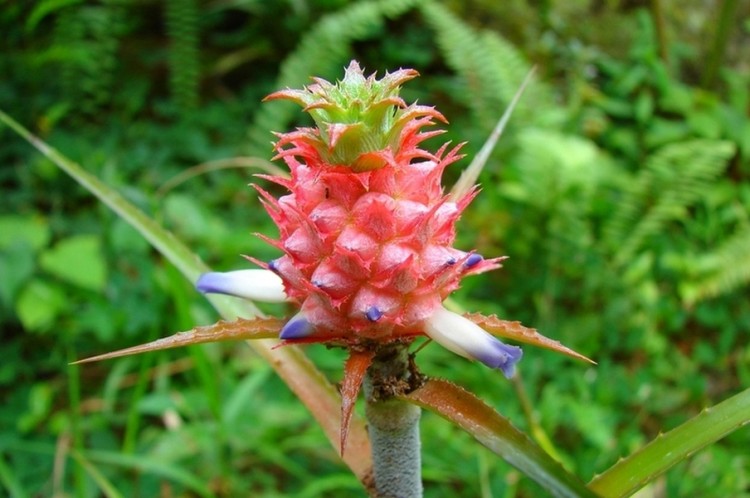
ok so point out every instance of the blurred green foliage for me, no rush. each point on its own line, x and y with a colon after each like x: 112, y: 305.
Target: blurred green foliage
x: 621, y: 191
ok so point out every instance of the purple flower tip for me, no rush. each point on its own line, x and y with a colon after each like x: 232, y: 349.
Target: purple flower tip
x: 501, y: 356
x: 373, y: 314
x: 451, y: 261
x: 273, y: 266
x: 261, y: 285
x: 296, y: 328
x: 210, y: 283
x: 466, y: 338
x: 473, y: 260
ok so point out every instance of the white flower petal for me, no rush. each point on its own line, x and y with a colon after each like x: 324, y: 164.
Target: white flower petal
x: 258, y: 285
x: 467, y: 339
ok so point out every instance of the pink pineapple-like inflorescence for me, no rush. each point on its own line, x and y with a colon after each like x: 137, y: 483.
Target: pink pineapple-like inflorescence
x: 366, y: 229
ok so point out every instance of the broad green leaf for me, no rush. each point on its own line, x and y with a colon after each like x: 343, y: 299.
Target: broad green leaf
x: 296, y: 369
x: 496, y: 433
x: 30, y: 231
x: 77, y: 260
x: 17, y: 266
x: 39, y: 406
x: 39, y: 304
x: 631, y: 474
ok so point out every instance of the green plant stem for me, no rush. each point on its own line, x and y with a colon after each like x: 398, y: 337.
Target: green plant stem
x: 9, y: 480
x: 537, y: 431
x: 657, y: 13
x: 74, y: 395
x: 727, y: 15
x: 634, y: 472
x: 393, y: 425
x: 133, y: 419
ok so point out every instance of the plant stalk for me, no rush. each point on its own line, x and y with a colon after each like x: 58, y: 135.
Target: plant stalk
x: 393, y: 425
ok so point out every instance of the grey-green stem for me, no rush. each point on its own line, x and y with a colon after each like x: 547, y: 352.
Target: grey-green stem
x: 393, y: 425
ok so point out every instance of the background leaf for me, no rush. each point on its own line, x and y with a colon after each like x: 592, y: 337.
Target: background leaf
x: 77, y: 260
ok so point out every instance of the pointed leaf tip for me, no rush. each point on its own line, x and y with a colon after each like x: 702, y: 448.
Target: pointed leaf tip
x: 354, y: 373
x: 469, y: 176
x: 241, y: 329
x: 517, y: 332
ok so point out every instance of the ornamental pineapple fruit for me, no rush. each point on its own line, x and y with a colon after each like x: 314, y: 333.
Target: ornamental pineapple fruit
x: 366, y: 229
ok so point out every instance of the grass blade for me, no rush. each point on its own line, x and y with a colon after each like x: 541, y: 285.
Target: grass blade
x: 106, y: 487
x: 147, y: 464
x: 9, y: 481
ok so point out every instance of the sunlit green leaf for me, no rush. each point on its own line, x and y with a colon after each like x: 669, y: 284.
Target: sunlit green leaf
x: 39, y: 304
x: 30, y: 231
x: 39, y: 404
x: 16, y: 267
x: 77, y: 260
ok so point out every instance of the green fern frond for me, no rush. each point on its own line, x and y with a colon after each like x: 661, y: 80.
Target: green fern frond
x: 491, y: 69
x: 674, y: 178
x: 86, y: 41
x: 323, y: 51
x: 558, y: 175
x: 184, y: 64
x: 551, y: 164
x: 723, y: 270
x: 45, y: 8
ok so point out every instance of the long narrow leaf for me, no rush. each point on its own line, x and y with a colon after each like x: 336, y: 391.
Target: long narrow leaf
x: 498, y: 434
x: 240, y: 329
x: 107, y: 488
x: 629, y: 475
x: 10, y: 481
x: 151, y: 465
x: 299, y: 373
x: 469, y: 176
x: 517, y: 332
